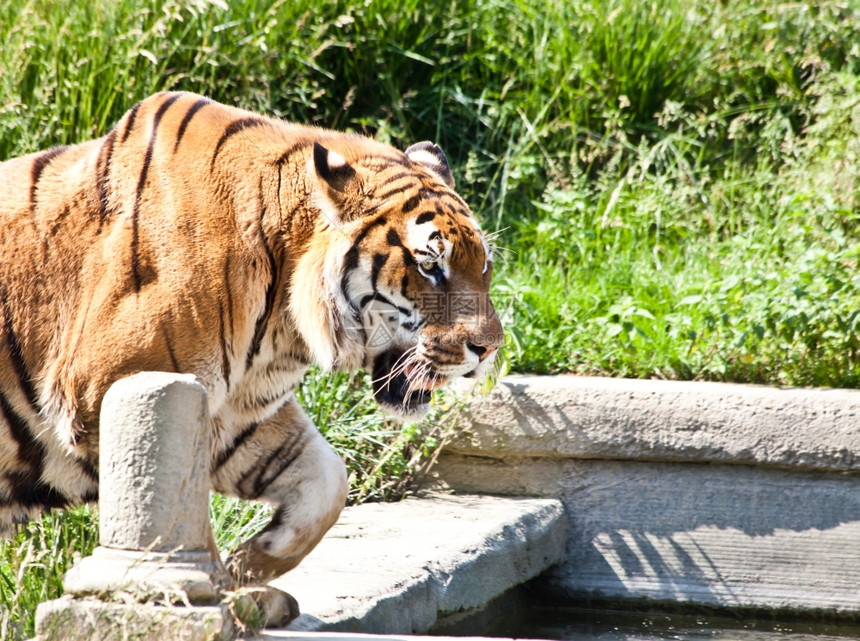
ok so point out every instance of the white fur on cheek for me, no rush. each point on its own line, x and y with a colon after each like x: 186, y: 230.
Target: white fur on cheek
x: 317, y: 304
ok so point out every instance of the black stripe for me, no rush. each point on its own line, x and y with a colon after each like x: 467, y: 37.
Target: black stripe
x: 350, y: 263
x: 39, y: 163
x: 151, y: 146
x: 379, y: 261
x: 225, y: 358
x: 411, y: 204
x: 383, y: 299
x: 231, y: 130
x: 382, y: 220
x: 413, y: 326
x: 271, y: 291
x: 263, y: 319
x: 28, y: 490
x: 280, y: 516
x: 89, y: 469
x: 381, y: 163
x: 426, y: 192
x: 259, y: 402
x: 193, y: 109
x: 27, y: 487
x: 228, y: 293
x: 430, y: 194
x: 393, y: 238
x: 404, y: 286
x: 399, y: 175
x: 170, y: 351
x: 30, y: 451
x: 394, y: 191
x: 16, y: 354
x: 103, y: 175
x: 426, y: 217
x: 278, y: 461
x: 290, y: 151
x: 351, y: 258
x: 132, y: 115
x: 225, y: 456
x: 141, y: 183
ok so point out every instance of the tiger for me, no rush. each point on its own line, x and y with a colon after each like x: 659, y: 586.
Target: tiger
x: 200, y: 238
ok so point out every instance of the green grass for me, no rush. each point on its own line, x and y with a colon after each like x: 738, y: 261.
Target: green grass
x: 671, y: 269
x: 675, y: 185
x: 32, y: 565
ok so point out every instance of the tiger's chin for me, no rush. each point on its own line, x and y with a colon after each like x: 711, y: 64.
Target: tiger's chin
x: 402, y: 391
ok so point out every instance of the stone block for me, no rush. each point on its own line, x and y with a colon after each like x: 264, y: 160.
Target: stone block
x: 69, y: 619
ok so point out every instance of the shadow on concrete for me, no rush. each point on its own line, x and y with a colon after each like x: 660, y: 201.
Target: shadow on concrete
x: 703, y: 532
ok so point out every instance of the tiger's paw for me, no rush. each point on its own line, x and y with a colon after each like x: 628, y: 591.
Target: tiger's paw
x: 264, y: 606
x: 277, y: 608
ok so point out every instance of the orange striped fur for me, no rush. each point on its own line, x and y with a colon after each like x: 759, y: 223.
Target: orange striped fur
x: 199, y: 238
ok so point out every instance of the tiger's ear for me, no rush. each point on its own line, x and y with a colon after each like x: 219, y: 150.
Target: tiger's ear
x: 332, y: 168
x: 339, y: 188
x: 430, y: 156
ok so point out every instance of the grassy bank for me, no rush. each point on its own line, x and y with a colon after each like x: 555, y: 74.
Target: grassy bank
x: 676, y: 184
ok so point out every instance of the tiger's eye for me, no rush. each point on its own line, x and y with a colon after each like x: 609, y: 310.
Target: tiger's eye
x: 427, y: 265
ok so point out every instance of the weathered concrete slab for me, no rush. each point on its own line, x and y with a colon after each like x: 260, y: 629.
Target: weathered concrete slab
x: 606, y: 418
x: 764, y: 512
x: 394, y: 568
x: 69, y: 619
x: 724, y: 536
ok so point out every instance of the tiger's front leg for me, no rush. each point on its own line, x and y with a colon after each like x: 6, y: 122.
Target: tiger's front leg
x: 284, y: 461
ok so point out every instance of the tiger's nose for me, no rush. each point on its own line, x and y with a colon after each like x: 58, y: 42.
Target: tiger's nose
x: 480, y: 350
x: 485, y: 345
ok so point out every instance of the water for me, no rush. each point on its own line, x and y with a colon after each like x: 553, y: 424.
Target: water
x: 572, y: 624
x: 524, y: 617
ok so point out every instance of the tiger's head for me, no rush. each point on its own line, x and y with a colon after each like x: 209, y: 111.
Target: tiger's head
x: 406, y: 272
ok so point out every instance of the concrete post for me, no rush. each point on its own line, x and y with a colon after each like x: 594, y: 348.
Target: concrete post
x: 154, y: 464
x: 153, y: 509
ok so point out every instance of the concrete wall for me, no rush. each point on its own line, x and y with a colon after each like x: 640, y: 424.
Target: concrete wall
x: 720, y: 495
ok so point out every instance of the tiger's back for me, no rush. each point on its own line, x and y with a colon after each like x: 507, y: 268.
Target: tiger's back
x: 119, y: 255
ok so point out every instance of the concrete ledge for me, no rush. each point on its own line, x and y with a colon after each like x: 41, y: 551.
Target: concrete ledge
x: 604, y: 418
x: 395, y: 568
x: 713, y: 535
x: 724, y: 496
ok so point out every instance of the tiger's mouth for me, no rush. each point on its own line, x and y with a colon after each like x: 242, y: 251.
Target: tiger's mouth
x: 404, y: 388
